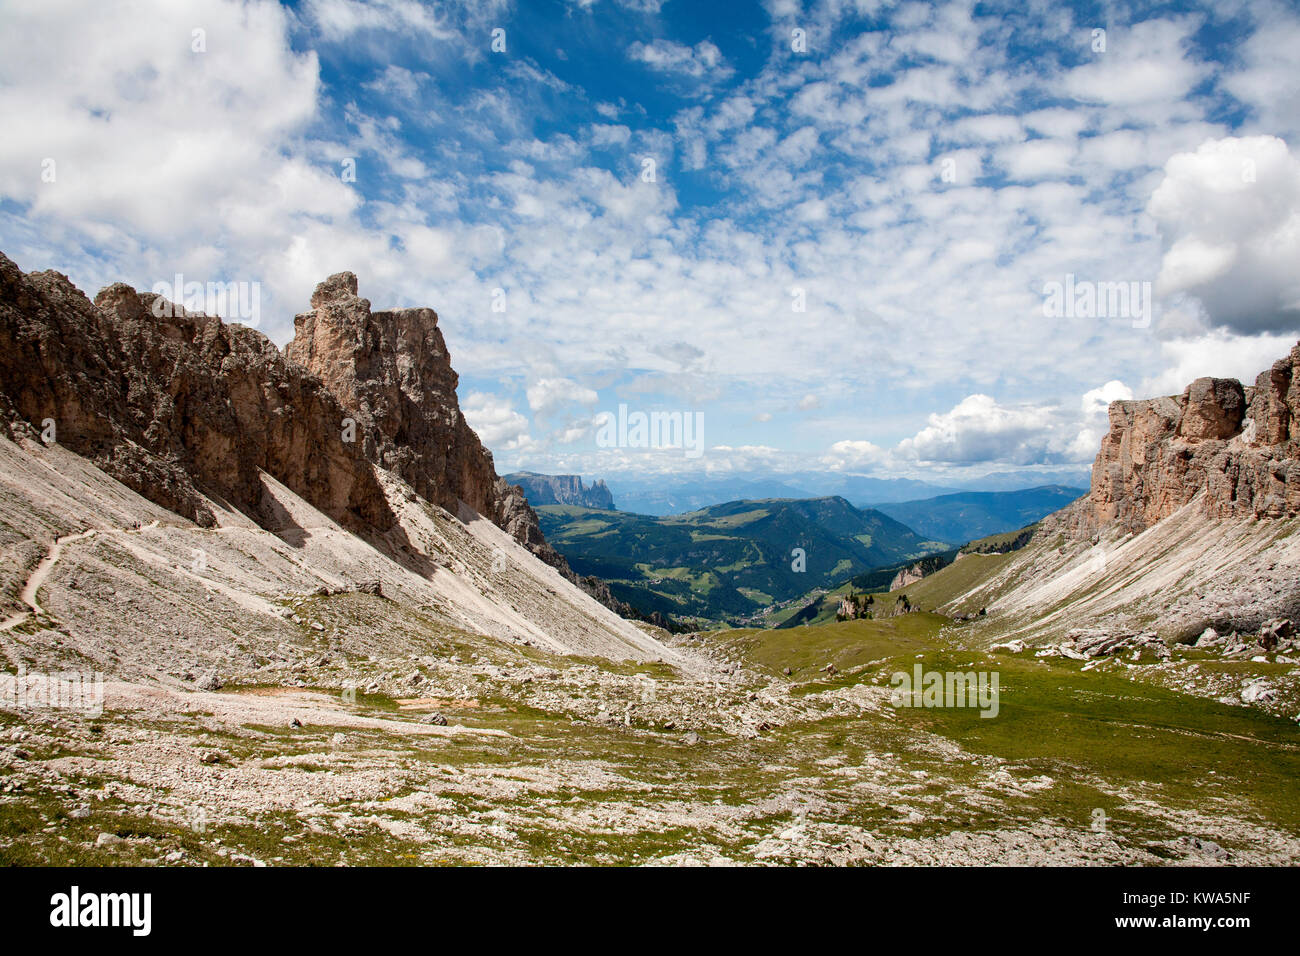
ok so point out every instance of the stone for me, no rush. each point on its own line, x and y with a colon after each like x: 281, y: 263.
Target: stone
x: 1231, y: 451
x: 1258, y: 691
x: 436, y: 719
x: 1204, y: 847
x: 1273, y: 632
x: 1208, y: 638
x: 1213, y: 408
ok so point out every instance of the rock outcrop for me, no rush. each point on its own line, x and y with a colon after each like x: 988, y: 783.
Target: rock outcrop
x: 1230, y: 449
x: 392, y: 374
x: 178, y: 407
x: 909, y: 575
x: 182, y: 407
x: 562, y: 490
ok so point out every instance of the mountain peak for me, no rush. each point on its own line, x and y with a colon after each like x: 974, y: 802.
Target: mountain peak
x: 338, y: 287
x: 562, y: 490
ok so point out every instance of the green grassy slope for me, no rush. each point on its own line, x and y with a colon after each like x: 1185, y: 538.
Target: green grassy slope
x: 1118, y: 741
x: 728, y: 562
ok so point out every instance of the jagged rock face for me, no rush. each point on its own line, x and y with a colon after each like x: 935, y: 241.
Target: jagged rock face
x: 1212, y: 408
x: 907, y: 576
x: 174, y: 405
x: 1231, y: 449
x: 392, y: 373
x: 563, y: 490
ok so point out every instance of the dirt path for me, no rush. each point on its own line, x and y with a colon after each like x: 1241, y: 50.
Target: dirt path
x: 38, y: 577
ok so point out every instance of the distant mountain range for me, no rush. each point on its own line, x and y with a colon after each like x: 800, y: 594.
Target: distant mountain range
x: 562, y: 490
x: 661, y: 496
x: 665, y: 495
x: 728, y: 562
x: 968, y: 515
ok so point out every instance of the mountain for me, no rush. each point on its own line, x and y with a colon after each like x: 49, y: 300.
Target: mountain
x: 272, y: 620
x: 344, y: 461
x: 670, y: 497
x: 963, y: 517
x: 867, y: 492
x: 1192, y: 522
x: 562, y: 490
x: 665, y: 496
x: 728, y: 561
x: 1074, y: 476
x: 1228, y: 450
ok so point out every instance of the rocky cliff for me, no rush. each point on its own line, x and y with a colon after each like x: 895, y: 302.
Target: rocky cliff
x: 562, y: 490
x: 1231, y: 450
x: 181, y: 407
x: 178, y: 407
x: 392, y: 374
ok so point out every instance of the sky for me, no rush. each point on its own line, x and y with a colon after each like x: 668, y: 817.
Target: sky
x: 833, y: 236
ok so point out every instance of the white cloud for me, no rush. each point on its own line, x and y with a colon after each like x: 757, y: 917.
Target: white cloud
x: 1097, y: 401
x: 1229, y: 216
x: 853, y: 456
x: 1218, y: 354
x: 1144, y: 63
x: 704, y: 60
x: 819, y: 172
x: 546, y: 396
x: 497, y: 423
x: 1267, y: 79
x: 978, y: 429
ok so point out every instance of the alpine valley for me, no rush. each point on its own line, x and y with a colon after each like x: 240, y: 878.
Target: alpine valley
x: 308, y: 623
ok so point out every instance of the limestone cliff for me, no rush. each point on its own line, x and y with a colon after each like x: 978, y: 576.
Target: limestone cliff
x: 1230, y: 449
x: 562, y: 490
x: 182, y: 407
x: 392, y: 374
x: 176, y: 407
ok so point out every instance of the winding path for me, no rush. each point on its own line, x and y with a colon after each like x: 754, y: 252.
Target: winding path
x: 28, y: 594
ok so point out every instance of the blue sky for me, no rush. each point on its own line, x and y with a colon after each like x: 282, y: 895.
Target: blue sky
x: 916, y: 175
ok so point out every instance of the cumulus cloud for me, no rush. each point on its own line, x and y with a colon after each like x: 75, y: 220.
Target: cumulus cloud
x: 853, y: 456
x: 701, y: 61
x: 1095, y: 421
x: 978, y: 429
x: 497, y: 423
x: 546, y: 396
x: 1218, y: 354
x: 1097, y: 401
x: 1229, y: 218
